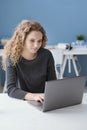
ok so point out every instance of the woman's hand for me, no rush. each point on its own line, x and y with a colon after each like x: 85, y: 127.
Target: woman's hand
x: 38, y: 97
x: 34, y: 97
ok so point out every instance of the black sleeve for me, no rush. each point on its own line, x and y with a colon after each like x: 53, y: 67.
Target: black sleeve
x: 13, y: 89
x: 51, y: 74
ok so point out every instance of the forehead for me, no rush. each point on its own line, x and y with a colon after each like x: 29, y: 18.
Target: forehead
x: 35, y: 34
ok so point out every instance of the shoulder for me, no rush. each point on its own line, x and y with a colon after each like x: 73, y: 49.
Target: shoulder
x: 8, y: 62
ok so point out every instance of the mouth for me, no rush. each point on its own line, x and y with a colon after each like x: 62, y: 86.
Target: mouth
x: 35, y: 49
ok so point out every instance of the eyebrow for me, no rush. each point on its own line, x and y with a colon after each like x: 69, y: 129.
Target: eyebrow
x: 40, y: 40
x: 34, y: 39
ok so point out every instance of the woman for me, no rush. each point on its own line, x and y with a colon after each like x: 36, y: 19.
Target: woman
x: 27, y: 63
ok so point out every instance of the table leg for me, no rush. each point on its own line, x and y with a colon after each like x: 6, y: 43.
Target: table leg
x: 69, y: 58
x: 75, y: 67
x: 69, y: 64
x: 63, y: 66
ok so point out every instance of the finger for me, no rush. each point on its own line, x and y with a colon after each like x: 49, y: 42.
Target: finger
x: 41, y: 99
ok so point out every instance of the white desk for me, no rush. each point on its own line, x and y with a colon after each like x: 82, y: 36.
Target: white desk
x: 19, y: 115
x: 69, y: 55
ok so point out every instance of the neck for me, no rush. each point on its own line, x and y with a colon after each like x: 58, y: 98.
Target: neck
x: 29, y: 56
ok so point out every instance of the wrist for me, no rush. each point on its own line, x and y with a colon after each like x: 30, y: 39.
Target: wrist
x: 29, y: 96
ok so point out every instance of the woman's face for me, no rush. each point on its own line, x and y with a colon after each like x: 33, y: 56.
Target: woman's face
x: 33, y: 41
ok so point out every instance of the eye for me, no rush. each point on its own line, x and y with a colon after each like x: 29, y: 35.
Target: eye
x: 32, y: 40
x: 40, y: 41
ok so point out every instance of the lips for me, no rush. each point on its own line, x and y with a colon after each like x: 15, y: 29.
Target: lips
x: 34, y: 49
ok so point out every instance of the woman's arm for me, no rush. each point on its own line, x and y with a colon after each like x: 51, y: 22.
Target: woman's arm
x: 13, y: 89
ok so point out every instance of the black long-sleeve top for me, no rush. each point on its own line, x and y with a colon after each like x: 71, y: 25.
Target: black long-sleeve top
x: 30, y: 75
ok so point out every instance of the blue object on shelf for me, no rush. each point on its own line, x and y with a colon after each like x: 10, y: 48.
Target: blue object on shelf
x: 1, y: 46
x: 2, y: 74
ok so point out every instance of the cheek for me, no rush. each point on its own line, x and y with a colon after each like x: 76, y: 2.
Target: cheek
x: 28, y: 45
x: 39, y: 44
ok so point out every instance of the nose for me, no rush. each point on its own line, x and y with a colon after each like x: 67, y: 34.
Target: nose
x: 36, y: 44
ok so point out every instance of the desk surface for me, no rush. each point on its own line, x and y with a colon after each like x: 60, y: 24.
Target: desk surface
x: 19, y: 115
x: 76, y: 51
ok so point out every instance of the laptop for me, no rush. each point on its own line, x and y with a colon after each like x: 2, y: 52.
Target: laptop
x: 62, y: 93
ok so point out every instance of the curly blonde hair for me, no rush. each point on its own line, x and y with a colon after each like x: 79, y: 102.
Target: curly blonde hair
x: 14, y: 46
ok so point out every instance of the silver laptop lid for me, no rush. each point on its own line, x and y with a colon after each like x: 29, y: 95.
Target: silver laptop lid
x: 63, y: 92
